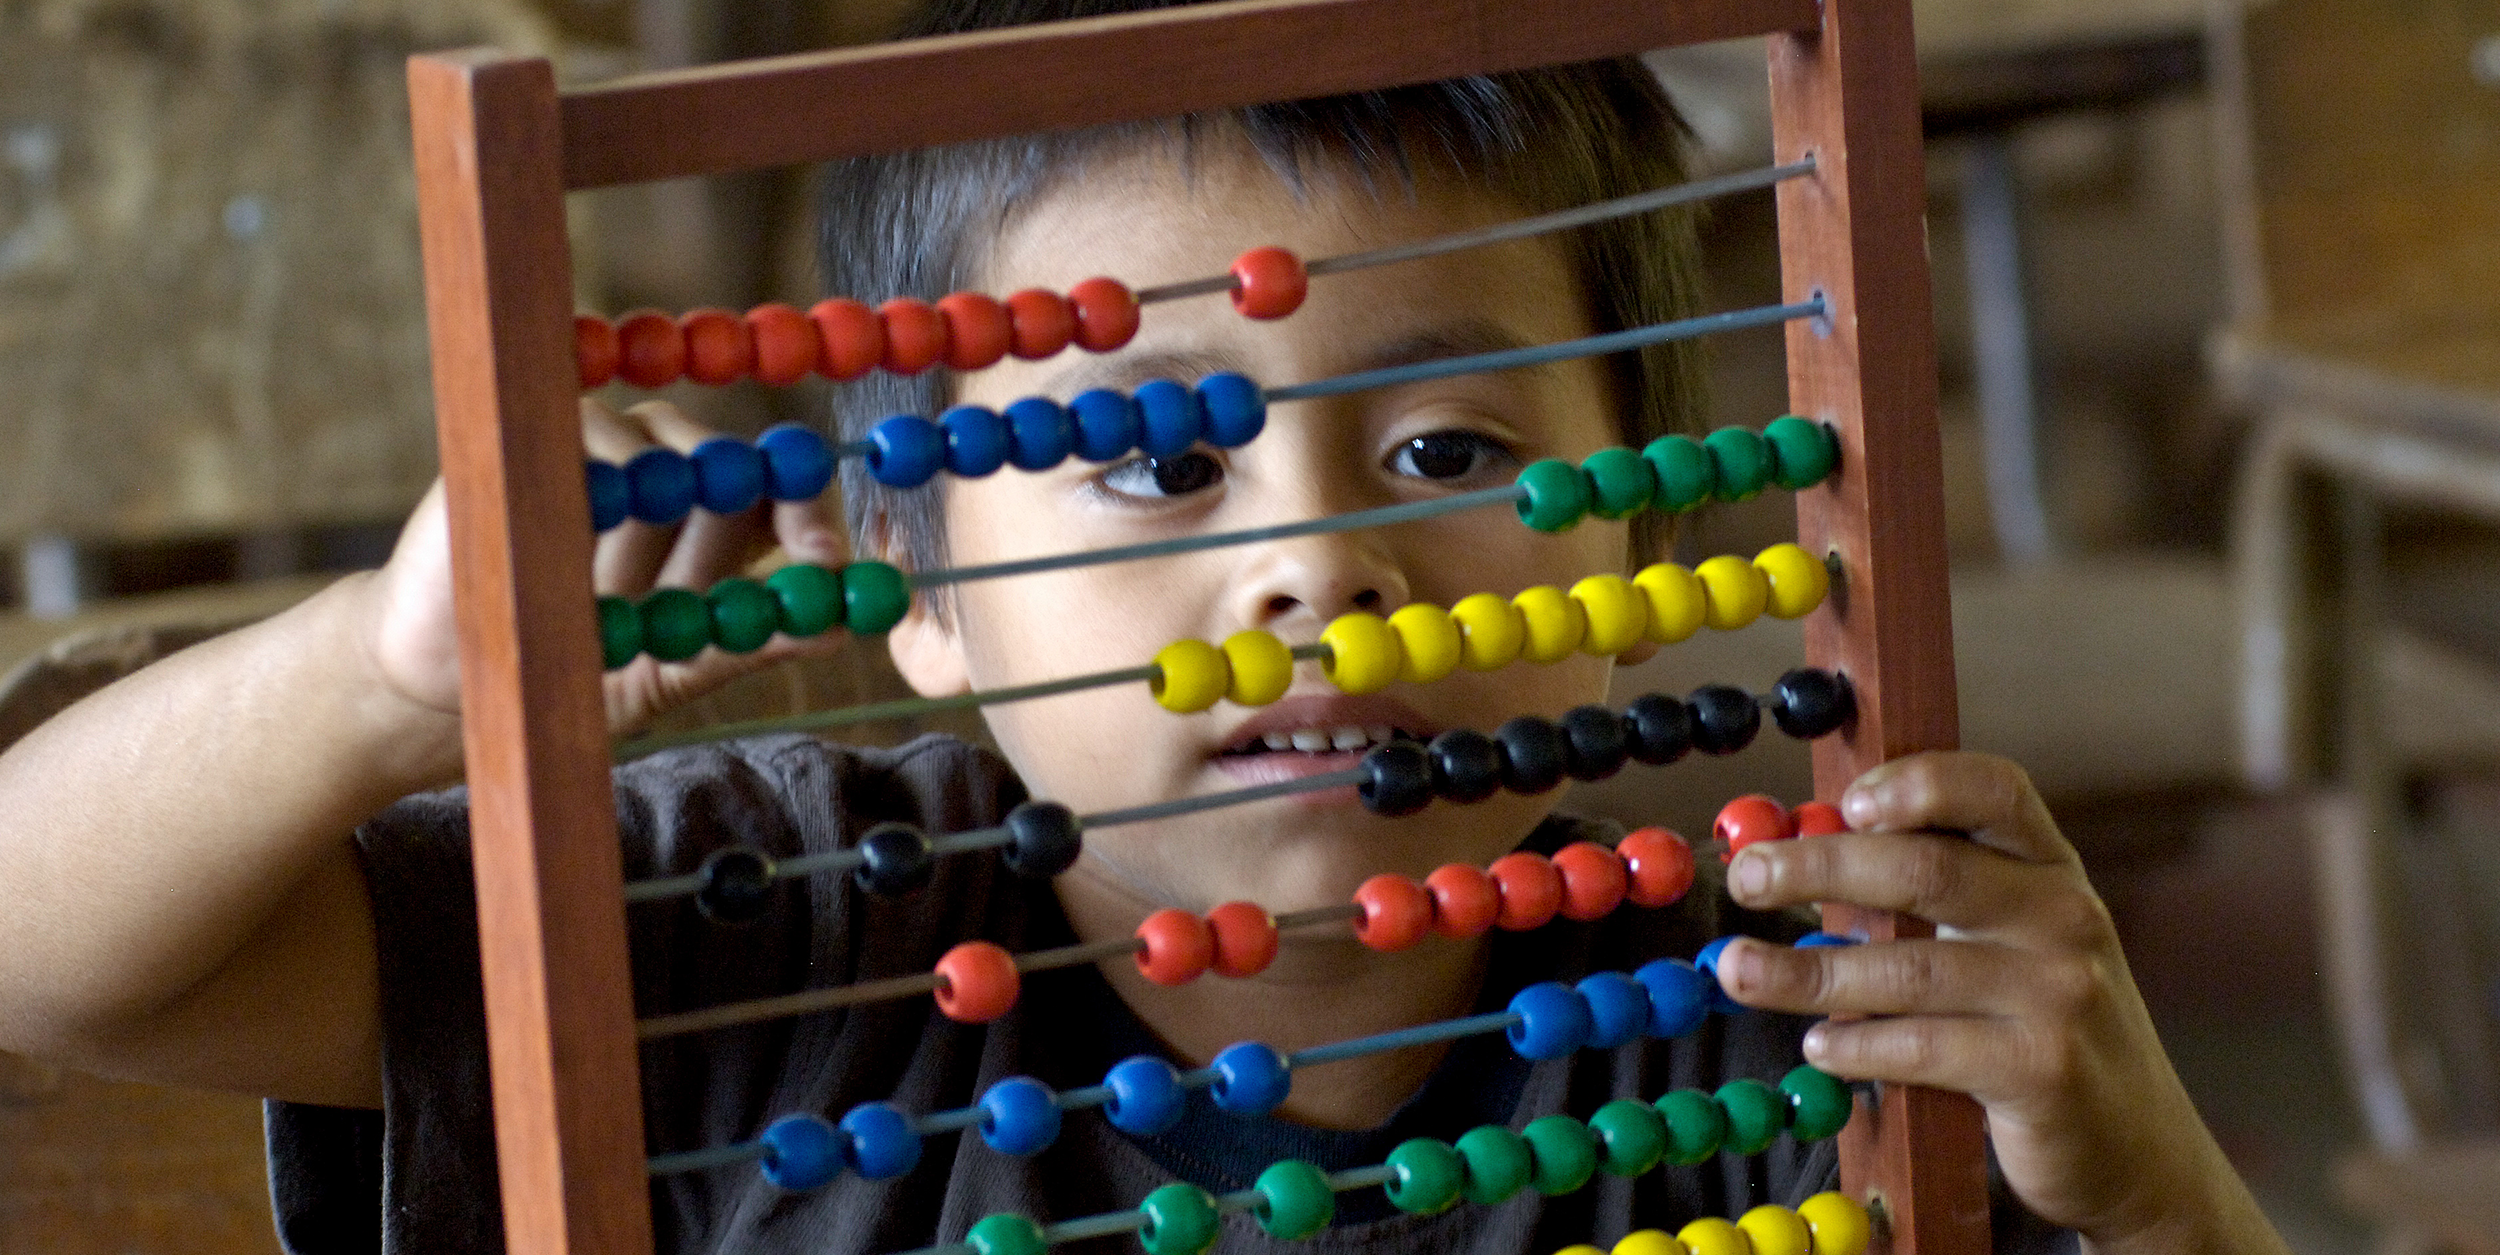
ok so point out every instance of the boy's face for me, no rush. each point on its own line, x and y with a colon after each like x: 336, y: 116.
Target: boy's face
x: 1145, y: 222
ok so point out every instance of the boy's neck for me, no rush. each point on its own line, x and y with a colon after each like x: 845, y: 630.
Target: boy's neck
x: 1323, y: 987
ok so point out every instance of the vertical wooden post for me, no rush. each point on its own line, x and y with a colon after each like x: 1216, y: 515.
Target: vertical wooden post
x: 551, y: 916
x: 1856, y: 235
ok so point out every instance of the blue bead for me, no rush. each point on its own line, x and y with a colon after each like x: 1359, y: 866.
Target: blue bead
x: 883, y: 1143
x: 611, y: 497
x: 1236, y: 410
x: 1019, y: 1116
x: 1107, y: 425
x: 1708, y: 962
x: 1041, y: 434
x: 1171, y: 418
x: 976, y: 440
x: 798, y: 464
x: 1618, y: 1009
x: 1553, y: 1021
x: 1816, y: 940
x: 662, y: 485
x: 1146, y: 1095
x: 1679, y: 996
x: 905, y: 450
x: 801, y: 1152
x: 1250, y: 1079
x: 728, y: 475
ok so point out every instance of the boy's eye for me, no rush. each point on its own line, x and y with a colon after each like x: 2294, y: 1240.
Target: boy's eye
x: 1174, y: 476
x: 1449, y: 455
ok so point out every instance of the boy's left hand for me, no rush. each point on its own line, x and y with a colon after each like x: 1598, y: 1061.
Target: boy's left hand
x: 2023, y: 1000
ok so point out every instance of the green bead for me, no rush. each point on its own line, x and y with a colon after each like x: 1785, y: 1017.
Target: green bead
x: 809, y: 598
x: 1632, y: 1134
x: 1429, y: 1176
x: 620, y: 632
x: 1564, y: 1153
x: 1685, y: 477
x: 1819, y: 1104
x: 1756, y: 1113
x: 1294, y: 1200
x: 1180, y: 1220
x: 1696, y: 1124
x: 1006, y: 1233
x: 874, y: 598
x: 1497, y: 1161
x: 1740, y: 460
x: 1620, y: 483
x: 1558, y: 496
x: 745, y: 614
x: 1803, y: 452
x: 676, y: 624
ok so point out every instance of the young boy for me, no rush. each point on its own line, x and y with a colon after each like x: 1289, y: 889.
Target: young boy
x: 186, y: 904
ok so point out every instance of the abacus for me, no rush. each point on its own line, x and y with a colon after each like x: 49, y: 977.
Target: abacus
x: 497, y: 147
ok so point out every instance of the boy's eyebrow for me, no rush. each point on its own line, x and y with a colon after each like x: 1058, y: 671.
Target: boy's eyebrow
x: 1457, y: 339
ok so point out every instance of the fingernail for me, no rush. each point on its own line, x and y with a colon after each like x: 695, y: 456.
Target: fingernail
x: 1744, y: 965
x: 1750, y: 876
x: 1817, y: 1038
x: 1859, y: 808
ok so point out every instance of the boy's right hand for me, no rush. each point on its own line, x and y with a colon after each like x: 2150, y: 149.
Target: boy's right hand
x: 415, y: 641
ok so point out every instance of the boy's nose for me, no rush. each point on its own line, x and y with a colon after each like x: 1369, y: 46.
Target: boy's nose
x: 1316, y: 579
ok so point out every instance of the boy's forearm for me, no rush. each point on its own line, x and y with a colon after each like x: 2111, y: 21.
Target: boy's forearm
x: 152, y: 829
x: 2214, y: 1214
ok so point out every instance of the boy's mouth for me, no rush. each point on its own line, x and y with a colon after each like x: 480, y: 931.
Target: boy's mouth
x: 1315, y: 734
x: 1342, y: 739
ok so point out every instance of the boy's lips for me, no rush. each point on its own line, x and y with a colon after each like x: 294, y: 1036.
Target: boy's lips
x: 1312, y: 735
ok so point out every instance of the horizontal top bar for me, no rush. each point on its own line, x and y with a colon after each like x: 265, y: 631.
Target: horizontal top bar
x: 818, y: 106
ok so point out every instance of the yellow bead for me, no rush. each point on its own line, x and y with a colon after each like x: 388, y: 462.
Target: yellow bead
x: 1429, y: 639
x: 1580, y: 1249
x: 1649, y: 1242
x: 1676, y: 601
x: 1735, y: 591
x: 1775, y: 1230
x: 1262, y: 667
x: 1191, y: 675
x: 1556, y: 624
x: 1617, y: 614
x: 1713, y: 1236
x: 1491, y: 632
x: 1363, y: 654
x: 1798, y: 581
x: 1837, y: 1222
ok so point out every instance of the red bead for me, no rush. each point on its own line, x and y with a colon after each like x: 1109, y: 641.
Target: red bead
x: 1106, y: 314
x: 977, y: 330
x: 915, y: 335
x: 1245, y: 939
x: 977, y: 982
x: 1532, y: 891
x: 595, y: 350
x: 1396, y: 913
x: 1269, y: 283
x: 850, y: 338
x: 1819, y: 819
x: 785, y: 344
x: 1661, y: 864
x: 1750, y: 820
x: 1039, y: 324
x: 1594, y: 880
x: 651, y: 351
x: 1464, y: 900
x: 1179, y: 947
x: 719, y: 348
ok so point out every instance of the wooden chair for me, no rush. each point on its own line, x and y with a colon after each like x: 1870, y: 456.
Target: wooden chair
x: 2361, y: 172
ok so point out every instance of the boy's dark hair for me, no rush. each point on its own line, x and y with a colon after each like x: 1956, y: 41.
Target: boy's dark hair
x: 915, y: 223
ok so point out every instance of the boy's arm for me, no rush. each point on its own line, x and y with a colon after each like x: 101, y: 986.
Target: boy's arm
x: 184, y: 902
x: 2024, y: 1002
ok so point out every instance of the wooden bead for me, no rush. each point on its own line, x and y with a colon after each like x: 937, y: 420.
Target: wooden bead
x: 719, y: 348
x: 1616, y: 612
x: 915, y: 335
x: 1040, y: 323
x: 1711, y: 1235
x: 1819, y: 819
x: 977, y: 330
x: 651, y: 351
x: 1396, y: 913
x: 1363, y: 654
x: 1245, y: 939
x: 1797, y: 580
x: 1594, y: 880
x: 1260, y: 665
x: 1190, y: 676
x: 595, y: 350
x: 1106, y: 314
x: 1734, y: 591
x: 1269, y: 283
x: 786, y: 346
x: 1465, y: 901
x: 1676, y: 602
x: 1530, y: 889
x: 1179, y: 947
x: 977, y: 982
x: 850, y: 339
x: 1751, y: 820
x: 1555, y: 624
x: 1491, y: 632
x: 1428, y: 643
x: 1649, y: 1242
x: 1837, y: 1223
x: 1775, y: 1230
x: 1660, y: 864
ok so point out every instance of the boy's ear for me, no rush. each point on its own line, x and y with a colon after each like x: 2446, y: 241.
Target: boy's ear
x: 927, y: 651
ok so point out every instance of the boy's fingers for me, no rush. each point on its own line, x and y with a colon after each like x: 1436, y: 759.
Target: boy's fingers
x: 1945, y: 879
x: 1987, y: 797
x: 1991, y: 1058
x: 627, y: 558
x: 1920, y: 977
x: 809, y: 532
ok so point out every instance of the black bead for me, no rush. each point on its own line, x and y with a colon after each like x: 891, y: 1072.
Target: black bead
x: 1466, y: 765
x: 737, y: 885
x: 1397, y: 779
x: 1593, y: 743
x: 1724, y: 719
x: 1810, y: 702
x: 1534, y: 754
x: 1046, y: 840
x: 1658, y: 728
x: 898, y: 860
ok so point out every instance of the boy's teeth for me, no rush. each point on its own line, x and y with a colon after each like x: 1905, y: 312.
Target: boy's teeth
x: 1380, y: 733
x: 1279, y: 741
x: 1310, y: 740
x: 1349, y: 738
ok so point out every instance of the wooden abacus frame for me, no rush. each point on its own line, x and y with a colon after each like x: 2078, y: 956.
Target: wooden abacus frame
x: 497, y: 148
